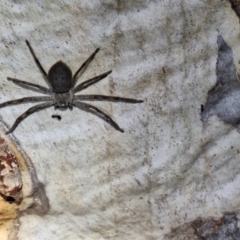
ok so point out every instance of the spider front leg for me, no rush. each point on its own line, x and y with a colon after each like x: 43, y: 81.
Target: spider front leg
x: 94, y: 97
x: 97, y: 112
x: 29, y: 112
x: 25, y: 100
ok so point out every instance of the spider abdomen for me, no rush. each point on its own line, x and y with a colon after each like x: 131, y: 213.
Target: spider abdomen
x: 60, y: 77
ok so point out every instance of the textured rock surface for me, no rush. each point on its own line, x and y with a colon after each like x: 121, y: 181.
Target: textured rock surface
x: 168, y: 168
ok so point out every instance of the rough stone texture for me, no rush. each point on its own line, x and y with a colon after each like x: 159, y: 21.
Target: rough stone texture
x: 225, y: 228
x: 168, y: 168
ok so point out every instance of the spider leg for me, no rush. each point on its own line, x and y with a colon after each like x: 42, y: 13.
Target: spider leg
x: 29, y: 112
x: 97, y: 112
x: 83, y: 67
x: 106, y: 98
x: 39, y: 65
x: 30, y: 86
x: 26, y: 99
x: 90, y: 82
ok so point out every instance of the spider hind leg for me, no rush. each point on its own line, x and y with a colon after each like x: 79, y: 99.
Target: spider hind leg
x: 90, y: 82
x: 39, y: 65
x: 83, y: 67
x: 30, y: 86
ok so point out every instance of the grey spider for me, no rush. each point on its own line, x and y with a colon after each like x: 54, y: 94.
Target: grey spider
x: 62, y: 91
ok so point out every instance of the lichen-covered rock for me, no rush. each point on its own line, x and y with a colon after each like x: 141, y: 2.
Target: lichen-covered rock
x: 10, y: 174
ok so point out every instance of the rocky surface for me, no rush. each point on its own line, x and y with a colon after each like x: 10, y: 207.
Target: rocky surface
x: 168, y: 169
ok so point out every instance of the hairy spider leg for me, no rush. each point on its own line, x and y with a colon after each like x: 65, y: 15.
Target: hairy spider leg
x: 90, y: 82
x: 83, y: 67
x: 97, y: 112
x: 25, y: 100
x: 106, y: 98
x: 30, y: 86
x: 29, y: 112
x: 40, y: 67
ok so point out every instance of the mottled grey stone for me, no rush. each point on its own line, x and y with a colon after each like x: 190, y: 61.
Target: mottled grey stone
x: 224, y: 99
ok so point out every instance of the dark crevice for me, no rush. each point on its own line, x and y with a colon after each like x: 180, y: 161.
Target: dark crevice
x: 235, y: 6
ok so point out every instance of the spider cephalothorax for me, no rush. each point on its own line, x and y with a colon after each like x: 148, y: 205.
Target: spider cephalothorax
x: 62, y: 90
